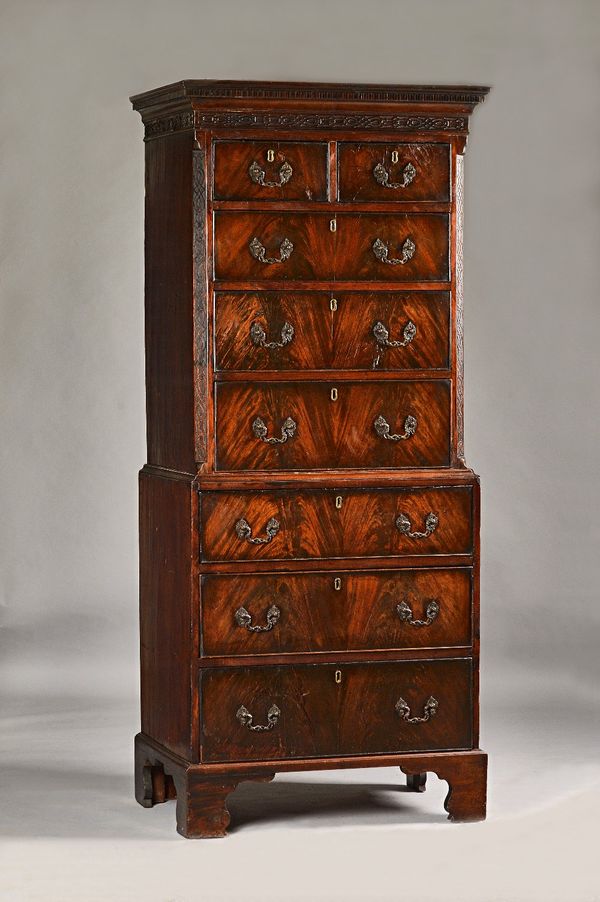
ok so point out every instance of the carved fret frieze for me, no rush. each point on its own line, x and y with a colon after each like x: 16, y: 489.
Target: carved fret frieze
x: 299, y: 121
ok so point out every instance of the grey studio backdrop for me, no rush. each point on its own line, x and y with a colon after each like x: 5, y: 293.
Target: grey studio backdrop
x: 72, y: 316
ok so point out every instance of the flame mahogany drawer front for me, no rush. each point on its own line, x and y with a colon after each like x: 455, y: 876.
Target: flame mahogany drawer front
x: 257, y: 331
x: 245, y: 526
x: 302, y: 246
x: 394, y: 172
x: 318, y: 425
x: 275, y: 170
x: 322, y: 710
x: 276, y: 613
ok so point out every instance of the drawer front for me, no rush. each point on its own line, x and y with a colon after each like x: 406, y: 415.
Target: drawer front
x: 317, y: 425
x: 261, y: 170
x: 278, y: 613
x: 258, y: 331
x: 370, y: 247
x: 327, y: 524
x: 392, y: 247
x: 308, y: 713
x: 394, y: 172
x: 273, y: 246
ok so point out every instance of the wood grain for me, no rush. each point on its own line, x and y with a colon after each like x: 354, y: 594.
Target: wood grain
x: 357, y: 182
x: 338, y: 611
x: 309, y: 162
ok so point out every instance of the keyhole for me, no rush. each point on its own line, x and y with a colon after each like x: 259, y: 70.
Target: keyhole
x: 337, y: 583
x: 333, y: 305
x: 270, y: 155
x: 332, y: 225
x: 394, y: 156
x: 334, y: 394
x: 338, y: 501
x: 338, y: 676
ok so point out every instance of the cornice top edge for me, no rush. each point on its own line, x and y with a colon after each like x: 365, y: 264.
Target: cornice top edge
x: 195, y: 91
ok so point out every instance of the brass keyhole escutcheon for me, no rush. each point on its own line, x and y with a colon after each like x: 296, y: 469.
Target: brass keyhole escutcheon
x: 338, y: 676
x: 333, y: 394
x: 394, y: 156
x: 333, y: 305
x: 270, y: 155
x: 332, y: 225
x: 339, y: 501
x: 337, y: 583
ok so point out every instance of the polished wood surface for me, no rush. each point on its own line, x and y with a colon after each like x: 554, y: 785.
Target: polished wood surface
x: 329, y: 710
x: 338, y: 339
x: 308, y: 181
x: 357, y: 181
x: 320, y: 253
x: 330, y: 433
x: 337, y: 611
x: 311, y: 526
x: 304, y: 273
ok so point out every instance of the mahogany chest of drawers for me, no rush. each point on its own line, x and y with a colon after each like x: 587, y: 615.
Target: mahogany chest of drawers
x: 309, y: 531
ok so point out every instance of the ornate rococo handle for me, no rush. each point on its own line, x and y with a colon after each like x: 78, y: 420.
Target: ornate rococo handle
x: 258, y: 175
x: 431, y: 523
x: 381, y: 251
x: 429, y: 711
x: 259, y: 336
x: 382, y: 176
x: 243, y: 618
x: 245, y: 718
x: 259, y: 251
x: 382, y: 428
x: 288, y: 430
x: 405, y: 613
x: 244, y: 531
x: 382, y: 337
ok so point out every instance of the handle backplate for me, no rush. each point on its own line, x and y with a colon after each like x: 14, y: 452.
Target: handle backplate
x: 288, y: 430
x: 259, y: 251
x: 405, y: 613
x: 430, y: 710
x: 258, y: 175
x: 382, y: 428
x: 259, y: 336
x: 381, y: 251
x: 246, y: 719
x: 404, y: 525
x: 382, y: 176
x: 243, y: 618
x: 244, y: 531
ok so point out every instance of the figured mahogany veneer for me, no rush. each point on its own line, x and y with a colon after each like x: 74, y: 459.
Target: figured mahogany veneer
x: 309, y: 531
x: 407, y: 172
x: 312, y: 526
x: 308, y: 179
x: 330, y: 433
x: 338, y: 611
x: 345, y: 338
x: 321, y: 254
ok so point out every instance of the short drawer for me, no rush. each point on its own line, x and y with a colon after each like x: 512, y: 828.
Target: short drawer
x: 278, y: 613
x: 394, y: 172
x: 313, y: 246
x: 262, y: 170
x: 284, y: 525
x: 308, y: 711
x: 318, y: 425
x: 257, y: 331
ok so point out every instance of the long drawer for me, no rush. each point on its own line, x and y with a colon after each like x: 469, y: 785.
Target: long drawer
x: 268, y: 330
x: 305, y: 246
x: 275, y: 613
x: 317, y: 425
x: 328, y: 710
x: 283, y: 525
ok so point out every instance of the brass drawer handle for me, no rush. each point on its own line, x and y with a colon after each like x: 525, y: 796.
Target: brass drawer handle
x: 405, y: 613
x: 382, y: 337
x: 259, y: 251
x: 288, y: 430
x: 258, y: 175
x: 431, y: 523
x: 259, y: 336
x: 244, y: 531
x: 381, y: 251
x: 382, y: 428
x: 244, y: 619
x: 245, y: 718
x: 429, y: 711
x: 382, y: 176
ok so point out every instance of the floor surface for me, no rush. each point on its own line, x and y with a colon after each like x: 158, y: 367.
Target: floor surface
x: 71, y: 830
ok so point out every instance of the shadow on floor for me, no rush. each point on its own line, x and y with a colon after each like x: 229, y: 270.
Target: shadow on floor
x: 51, y: 802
